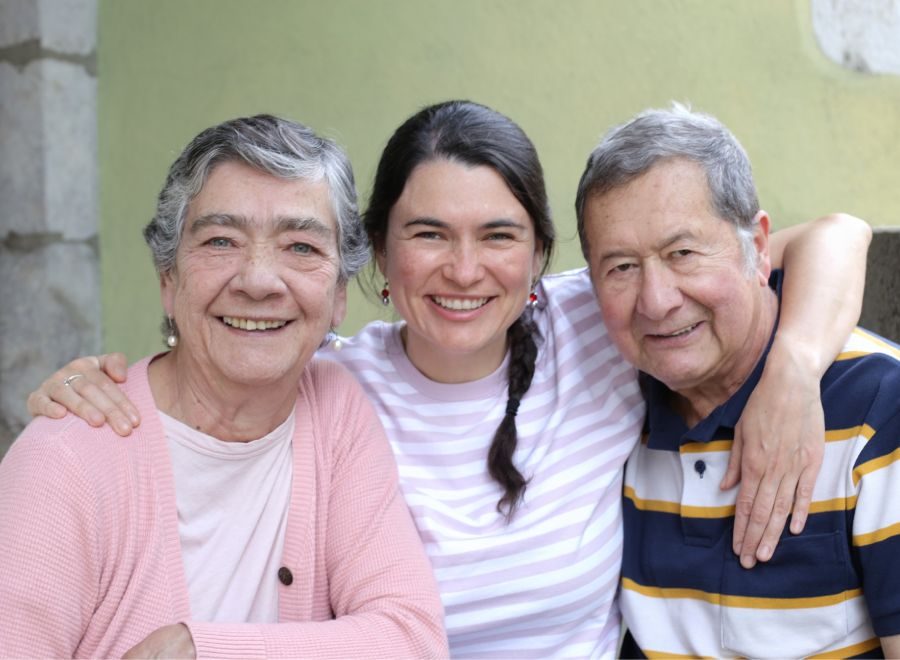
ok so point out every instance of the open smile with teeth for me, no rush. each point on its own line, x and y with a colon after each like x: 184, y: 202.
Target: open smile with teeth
x: 460, y: 304
x: 678, y: 333
x: 252, y: 324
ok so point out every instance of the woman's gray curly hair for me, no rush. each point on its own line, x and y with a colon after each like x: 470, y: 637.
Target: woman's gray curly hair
x: 273, y: 145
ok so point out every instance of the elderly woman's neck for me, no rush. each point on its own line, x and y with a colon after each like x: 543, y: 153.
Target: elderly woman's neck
x: 226, y: 411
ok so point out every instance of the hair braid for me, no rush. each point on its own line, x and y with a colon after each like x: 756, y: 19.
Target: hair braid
x: 522, y: 337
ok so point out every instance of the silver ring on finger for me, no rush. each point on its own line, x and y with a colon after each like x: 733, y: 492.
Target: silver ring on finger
x: 70, y: 379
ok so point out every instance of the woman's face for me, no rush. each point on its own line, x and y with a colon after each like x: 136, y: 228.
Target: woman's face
x: 461, y: 256
x: 254, y: 289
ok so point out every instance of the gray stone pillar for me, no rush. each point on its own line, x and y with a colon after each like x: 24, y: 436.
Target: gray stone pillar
x: 49, y: 264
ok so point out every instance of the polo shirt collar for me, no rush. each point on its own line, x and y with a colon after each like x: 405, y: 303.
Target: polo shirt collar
x: 666, y: 429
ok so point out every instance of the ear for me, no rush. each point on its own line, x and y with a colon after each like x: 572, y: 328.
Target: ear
x: 761, y: 244
x: 538, y: 261
x: 380, y: 256
x: 167, y: 286
x: 340, y: 306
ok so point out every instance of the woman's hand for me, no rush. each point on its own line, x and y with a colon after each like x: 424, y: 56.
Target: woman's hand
x: 87, y: 386
x: 779, y: 441
x: 777, y: 453
x: 173, y: 641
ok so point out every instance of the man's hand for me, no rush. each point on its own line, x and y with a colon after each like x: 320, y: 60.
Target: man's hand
x: 777, y: 453
x: 173, y: 641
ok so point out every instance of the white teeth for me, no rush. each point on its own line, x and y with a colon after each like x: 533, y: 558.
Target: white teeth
x: 459, y: 304
x: 681, y: 332
x: 250, y: 324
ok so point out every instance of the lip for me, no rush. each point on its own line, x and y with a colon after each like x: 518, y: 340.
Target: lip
x: 668, y: 339
x: 254, y: 321
x: 459, y: 314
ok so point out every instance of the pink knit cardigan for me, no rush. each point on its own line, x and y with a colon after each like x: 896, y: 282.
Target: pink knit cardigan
x: 90, y: 560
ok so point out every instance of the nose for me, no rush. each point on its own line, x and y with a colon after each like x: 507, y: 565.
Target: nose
x: 659, y: 293
x: 464, y: 265
x: 259, y: 275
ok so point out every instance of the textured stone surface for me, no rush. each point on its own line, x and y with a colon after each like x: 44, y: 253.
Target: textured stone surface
x: 49, y: 266
x: 48, y: 138
x: 68, y: 26
x: 881, y: 305
x: 70, y: 149
x: 63, y: 26
x: 21, y: 139
x: 863, y: 35
x: 51, y: 312
x: 19, y: 21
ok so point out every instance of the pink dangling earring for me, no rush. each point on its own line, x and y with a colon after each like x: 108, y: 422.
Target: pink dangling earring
x: 385, y: 295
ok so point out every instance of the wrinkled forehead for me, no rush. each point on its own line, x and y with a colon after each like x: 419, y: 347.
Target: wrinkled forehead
x: 240, y: 195
x: 670, y: 199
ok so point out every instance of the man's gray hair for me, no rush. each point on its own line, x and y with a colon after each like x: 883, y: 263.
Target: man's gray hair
x: 629, y: 150
x: 276, y: 146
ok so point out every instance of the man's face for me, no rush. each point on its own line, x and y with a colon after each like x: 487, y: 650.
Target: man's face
x: 672, y: 280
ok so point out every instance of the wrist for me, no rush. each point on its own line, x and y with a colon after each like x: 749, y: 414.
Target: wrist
x: 790, y: 354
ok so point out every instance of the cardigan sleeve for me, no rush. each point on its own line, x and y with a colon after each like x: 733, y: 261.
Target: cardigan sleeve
x: 381, y: 587
x: 49, y: 557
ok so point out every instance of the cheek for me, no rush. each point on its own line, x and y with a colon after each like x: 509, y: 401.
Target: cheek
x: 406, y: 268
x: 617, y: 308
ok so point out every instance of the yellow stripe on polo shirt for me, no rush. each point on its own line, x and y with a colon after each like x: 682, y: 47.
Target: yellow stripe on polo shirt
x: 837, y: 504
x: 878, y: 535
x: 664, y: 506
x: 703, y: 447
x: 863, y: 430
x: 878, y: 345
x: 748, y: 602
x: 875, y: 464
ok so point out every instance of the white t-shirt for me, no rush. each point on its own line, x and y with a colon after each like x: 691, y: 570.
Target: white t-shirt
x: 545, y: 584
x: 232, y: 500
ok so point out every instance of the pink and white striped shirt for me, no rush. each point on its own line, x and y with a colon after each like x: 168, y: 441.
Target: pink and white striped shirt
x: 545, y: 584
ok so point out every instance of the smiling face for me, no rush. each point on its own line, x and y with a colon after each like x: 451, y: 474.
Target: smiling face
x: 672, y: 281
x: 254, y: 288
x: 461, y: 256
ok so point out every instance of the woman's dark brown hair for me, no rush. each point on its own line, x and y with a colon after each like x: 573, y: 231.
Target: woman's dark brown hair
x: 475, y: 135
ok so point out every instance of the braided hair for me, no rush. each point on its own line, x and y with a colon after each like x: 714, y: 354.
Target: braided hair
x: 475, y: 135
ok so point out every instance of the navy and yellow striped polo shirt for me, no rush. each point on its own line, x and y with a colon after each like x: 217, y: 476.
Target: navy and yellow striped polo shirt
x: 831, y: 590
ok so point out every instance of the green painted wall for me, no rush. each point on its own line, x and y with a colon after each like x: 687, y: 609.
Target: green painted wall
x: 821, y: 137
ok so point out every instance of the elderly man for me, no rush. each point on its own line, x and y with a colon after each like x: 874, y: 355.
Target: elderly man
x: 678, y: 250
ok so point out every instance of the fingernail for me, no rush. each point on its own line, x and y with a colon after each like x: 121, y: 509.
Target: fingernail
x: 764, y: 553
x: 748, y: 561
x: 133, y: 418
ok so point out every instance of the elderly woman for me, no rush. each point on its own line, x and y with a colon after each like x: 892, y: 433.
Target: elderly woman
x: 510, y: 412
x: 246, y: 518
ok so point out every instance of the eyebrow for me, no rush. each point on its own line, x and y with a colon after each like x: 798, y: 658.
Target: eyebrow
x: 664, y: 243
x: 282, y: 224
x: 491, y: 224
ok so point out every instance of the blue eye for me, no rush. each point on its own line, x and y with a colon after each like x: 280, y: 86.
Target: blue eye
x: 301, y: 248
x: 219, y: 242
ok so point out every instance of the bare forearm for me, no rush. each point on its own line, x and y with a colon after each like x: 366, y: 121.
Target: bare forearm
x: 825, y: 272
